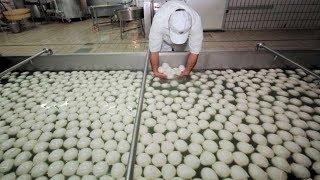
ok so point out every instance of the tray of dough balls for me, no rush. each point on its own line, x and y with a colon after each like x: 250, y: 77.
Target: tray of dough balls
x: 236, y: 124
x: 67, y: 125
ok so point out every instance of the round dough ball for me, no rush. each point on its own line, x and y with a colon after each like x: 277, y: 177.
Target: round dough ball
x: 240, y: 158
x: 22, y: 157
x: 257, y: 173
x: 152, y: 148
x: 98, y: 155
x: 123, y: 146
x: 172, y: 136
x: 225, y: 156
x: 175, y: 158
x: 197, y: 138
x: 312, y: 153
x: 224, y: 134
x: 143, y: 159
x: 221, y: 169
x: 300, y: 171
x: 208, y: 174
x: 259, y: 139
x: 192, y: 161
x: 39, y: 169
x: 226, y: 145
x: 11, y: 153
x: 195, y: 149
x: 159, y: 160
x: 245, y: 147
x: 6, y: 165
x: 237, y: 172
x: 168, y: 171
x: 151, y: 172
x: 274, y: 139
x: 167, y: 147
x: 85, y: 168
x: 210, y: 146
x: 55, y: 168
x: 215, y: 125
x: 285, y: 136
x: 84, y: 154
x: 181, y: 145
x: 118, y: 170
x: 210, y: 135
x: 265, y: 151
x: 301, y: 159
x: 207, y: 158
x: 113, y: 157
x: 276, y: 173
x: 40, y: 157
x: 293, y: 147
x: 281, y: 151
x: 185, y: 171
x: 259, y: 160
x: 242, y: 137
x: 281, y: 163
x: 70, y: 168
x: 316, y: 167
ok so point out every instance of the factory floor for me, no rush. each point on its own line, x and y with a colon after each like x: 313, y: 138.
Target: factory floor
x: 80, y: 37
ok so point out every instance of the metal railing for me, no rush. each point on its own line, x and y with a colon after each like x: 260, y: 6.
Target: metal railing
x: 272, y: 14
x: 45, y: 50
x: 135, y: 136
x: 277, y: 54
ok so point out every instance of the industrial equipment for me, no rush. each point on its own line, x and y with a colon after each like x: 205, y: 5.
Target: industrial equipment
x: 106, y: 10
x: 18, y: 19
x: 130, y: 14
x: 56, y: 9
x: 239, y: 113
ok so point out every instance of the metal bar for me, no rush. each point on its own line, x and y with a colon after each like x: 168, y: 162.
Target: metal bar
x: 135, y: 136
x: 249, y: 7
x: 261, y: 45
x: 45, y: 50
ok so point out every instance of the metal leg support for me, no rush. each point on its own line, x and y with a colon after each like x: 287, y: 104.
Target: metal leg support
x: 45, y: 50
x: 261, y: 45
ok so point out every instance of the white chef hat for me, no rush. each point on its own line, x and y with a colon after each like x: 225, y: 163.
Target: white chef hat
x: 179, y: 26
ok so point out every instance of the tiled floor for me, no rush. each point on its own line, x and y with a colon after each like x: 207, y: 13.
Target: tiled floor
x: 79, y: 37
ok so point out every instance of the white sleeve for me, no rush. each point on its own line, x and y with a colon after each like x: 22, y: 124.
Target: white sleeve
x: 155, y: 36
x: 196, y: 36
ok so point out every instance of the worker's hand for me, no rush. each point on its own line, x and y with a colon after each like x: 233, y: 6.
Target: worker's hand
x: 185, y: 73
x: 159, y: 75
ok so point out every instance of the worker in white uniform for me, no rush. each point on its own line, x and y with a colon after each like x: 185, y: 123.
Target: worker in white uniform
x: 175, y: 27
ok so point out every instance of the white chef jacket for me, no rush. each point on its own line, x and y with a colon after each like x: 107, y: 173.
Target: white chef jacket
x: 159, y: 38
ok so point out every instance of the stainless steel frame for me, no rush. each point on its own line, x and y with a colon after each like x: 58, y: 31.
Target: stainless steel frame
x: 70, y: 9
x: 130, y: 14
x: 135, y: 135
x: 135, y: 61
x: 243, y: 59
x: 107, y: 10
x: 261, y: 45
x: 45, y: 50
x: 80, y: 62
x: 139, y: 61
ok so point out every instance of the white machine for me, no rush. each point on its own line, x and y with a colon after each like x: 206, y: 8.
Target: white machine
x: 211, y: 12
